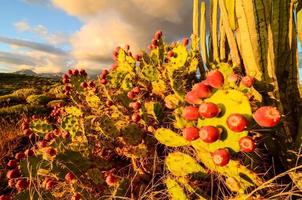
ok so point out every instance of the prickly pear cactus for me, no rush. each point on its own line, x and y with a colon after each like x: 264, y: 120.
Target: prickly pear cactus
x: 230, y: 99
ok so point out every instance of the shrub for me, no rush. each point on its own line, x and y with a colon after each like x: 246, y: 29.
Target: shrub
x: 38, y: 99
x: 25, y: 92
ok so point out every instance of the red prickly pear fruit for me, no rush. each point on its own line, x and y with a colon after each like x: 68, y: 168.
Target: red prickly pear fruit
x: 67, y: 93
x: 21, y: 184
x: 192, y: 98
x: 221, y: 157
x: 12, y: 163
x: 209, y: 134
x: 14, y: 173
x: 215, y: 79
x: 185, y: 41
x: 29, y: 152
x: 11, y: 183
x: 114, y: 66
x: 247, y: 144
x: 190, y: 133
x: 67, y: 88
x: 20, y: 156
x: 233, y: 78
x: 91, y: 84
x: 190, y: 113
x: 75, y: 72
x: 66, y: 135
x: 25, y: 125
x: 115, y: 54
x: 267, y: 116
x: 50, y: 184
x: 65, y: 77
x: 127, y: 47
x: 42, y: 144
x: 135, y: 105
x: 111, y: 180
x: 135, y: 117
x: 171, y: 54
x: 136, y: 90
x: 117, y: 49
x: 158, y: 35
x: 66, y: 81
x: 237, y: 122
x: 27, y: 132
x: 248, y: 81
x: 5, y: 197
x: 104, y: 81
x: 51, y: 151
x: 70, y: 72
x: 130, y: 53
x: 83, y: 72
x: 131, y: 95
x: 109, y: 103
x: 208, y: 110
x: 202, y: 91
x: 76, y: 196
x: 69, y: 177
x: 84, y: 84
x: 154, y: 42
x: 49, y: 136
x: 138, y: 57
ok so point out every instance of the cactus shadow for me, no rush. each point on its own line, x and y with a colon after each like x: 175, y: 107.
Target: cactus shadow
x: 224, y: 134
x: 246, y: 178
x: 222, y: 108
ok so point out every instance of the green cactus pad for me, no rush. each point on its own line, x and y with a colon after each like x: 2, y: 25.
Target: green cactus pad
x: 175, y: 191
x: 230, y: 101
x: 172, y: 101
x: 127, y: 82
x: 149, y: 73
x: 132, y: 134
x: 73, y: 110
x: 71, y: 124
x: 40, y: 127
x: 181, y: 57
x: 170, y: 138
x: 121, y: 189
x: 155, y: 109
x: 93, y: 100
x: 234, y: 169
x: 96, y: 176
x: 159, y: 87
x: 107, y: 127
x: 181, y: 164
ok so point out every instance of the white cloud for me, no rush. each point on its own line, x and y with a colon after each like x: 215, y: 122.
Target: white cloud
x: 116, y: 22
x: 22, y: 26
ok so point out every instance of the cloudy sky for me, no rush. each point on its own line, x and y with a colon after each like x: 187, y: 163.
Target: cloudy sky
x: 54, y: 35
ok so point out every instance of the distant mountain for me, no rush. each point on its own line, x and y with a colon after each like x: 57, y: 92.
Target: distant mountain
x: 26, y: 72
x: 29, y: 72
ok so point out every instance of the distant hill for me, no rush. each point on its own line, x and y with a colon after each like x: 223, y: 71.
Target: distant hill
x: 26, y: 72
x: 29, y: 72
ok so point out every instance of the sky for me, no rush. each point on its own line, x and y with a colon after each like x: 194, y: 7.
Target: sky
x: 55, y: 35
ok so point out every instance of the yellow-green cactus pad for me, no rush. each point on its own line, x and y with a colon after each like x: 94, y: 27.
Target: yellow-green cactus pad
x: 170, y: 138
x: 180, y: 59
x: 230, y: 101
x: 175, y: 191
x: 71, y: 124
x: 40, y: 126
x: 72, y: 110
x: 181, y: 164
x: 244, y: 177
x: 93, y: 100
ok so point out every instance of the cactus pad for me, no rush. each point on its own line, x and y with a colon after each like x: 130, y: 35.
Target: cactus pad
x: 175, y: 191
x: 40, y: 126
x: 180, y: 164
x: 229, y: 101
x: 170, y: 138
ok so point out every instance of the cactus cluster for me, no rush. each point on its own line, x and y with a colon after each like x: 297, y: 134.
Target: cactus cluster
x: 216, y: 124
x: 153, y: 96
